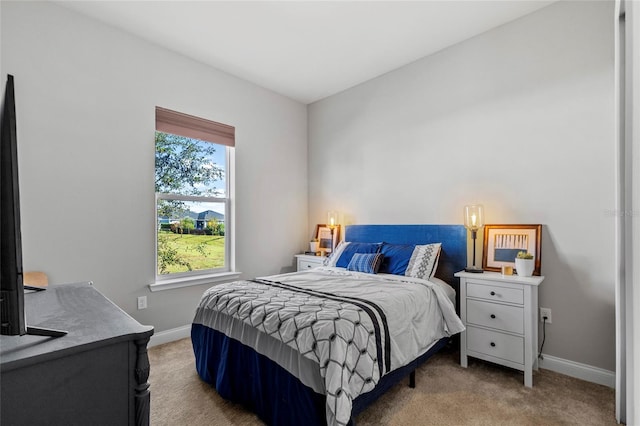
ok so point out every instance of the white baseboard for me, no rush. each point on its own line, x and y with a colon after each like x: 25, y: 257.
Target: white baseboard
x: 578, y: 370
x: 170, y: 335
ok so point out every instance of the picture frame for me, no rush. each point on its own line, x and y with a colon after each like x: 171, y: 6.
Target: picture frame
x: 503, y: 242
x: 323, y: 235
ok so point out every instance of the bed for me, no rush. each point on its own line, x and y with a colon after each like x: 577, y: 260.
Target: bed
x: 318, y: 346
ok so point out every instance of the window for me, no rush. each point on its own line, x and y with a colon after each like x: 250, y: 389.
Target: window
x: 192, y: 196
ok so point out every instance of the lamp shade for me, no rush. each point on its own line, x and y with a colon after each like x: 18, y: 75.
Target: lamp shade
x: 473, y: 217
x: 332, y: 218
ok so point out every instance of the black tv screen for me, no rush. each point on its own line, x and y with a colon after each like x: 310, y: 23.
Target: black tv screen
x: 12, y: 296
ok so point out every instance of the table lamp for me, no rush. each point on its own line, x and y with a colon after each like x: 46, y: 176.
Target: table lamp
x: 332, y: 223
x: 473, y: 220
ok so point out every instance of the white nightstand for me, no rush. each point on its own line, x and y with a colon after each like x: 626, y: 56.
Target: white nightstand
x: 500, y: 314
x: 306, y: 261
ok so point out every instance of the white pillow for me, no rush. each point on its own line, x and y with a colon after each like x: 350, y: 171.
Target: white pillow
x: 424, y: 261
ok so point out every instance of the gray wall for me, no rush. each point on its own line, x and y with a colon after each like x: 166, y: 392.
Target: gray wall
x: 86, y: 95
x: 520, y: 119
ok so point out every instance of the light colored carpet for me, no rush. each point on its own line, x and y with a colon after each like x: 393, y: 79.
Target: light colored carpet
x: 445, y: 394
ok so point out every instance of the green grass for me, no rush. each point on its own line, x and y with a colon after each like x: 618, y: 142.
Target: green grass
x: 186, y: 247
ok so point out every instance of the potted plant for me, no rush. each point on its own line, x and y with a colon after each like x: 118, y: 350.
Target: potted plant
x: 313, y: 245
x: 524, y: 264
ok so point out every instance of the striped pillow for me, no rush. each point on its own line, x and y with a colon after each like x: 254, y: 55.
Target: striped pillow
x: 365, y: 262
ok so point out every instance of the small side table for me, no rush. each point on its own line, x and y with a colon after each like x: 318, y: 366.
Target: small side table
x: 500, y: 313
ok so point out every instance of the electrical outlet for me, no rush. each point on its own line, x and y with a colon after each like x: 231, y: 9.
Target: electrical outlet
x: 545, y: 312
x: 142, y: 302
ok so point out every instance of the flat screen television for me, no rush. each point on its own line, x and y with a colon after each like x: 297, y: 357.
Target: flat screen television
x: 11, y: 285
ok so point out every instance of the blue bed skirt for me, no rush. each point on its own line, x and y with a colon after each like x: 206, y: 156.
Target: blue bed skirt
x: 242, y: 375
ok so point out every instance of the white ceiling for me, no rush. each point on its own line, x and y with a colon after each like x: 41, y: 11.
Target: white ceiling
x: 306, y: 50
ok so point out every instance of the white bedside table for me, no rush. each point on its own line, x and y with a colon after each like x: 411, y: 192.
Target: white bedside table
x: 500, y: 314
x: 307, y: 261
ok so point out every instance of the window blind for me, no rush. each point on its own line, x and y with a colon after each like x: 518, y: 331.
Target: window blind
x: 189, y: 126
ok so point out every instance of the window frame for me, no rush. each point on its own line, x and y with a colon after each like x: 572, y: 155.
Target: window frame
x: 205, y: 276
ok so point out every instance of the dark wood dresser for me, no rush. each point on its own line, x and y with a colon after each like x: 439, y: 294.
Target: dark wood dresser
x: 97, y: 374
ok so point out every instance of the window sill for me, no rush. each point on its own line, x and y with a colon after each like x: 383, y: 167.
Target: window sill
x: 191, y: 281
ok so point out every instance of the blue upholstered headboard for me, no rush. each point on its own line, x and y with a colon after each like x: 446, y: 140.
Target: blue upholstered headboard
x: 453, y: 254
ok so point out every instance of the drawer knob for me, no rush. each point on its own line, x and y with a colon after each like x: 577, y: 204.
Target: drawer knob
x: 493, y: 345
x: 493, y: 316
x: 493, y: 293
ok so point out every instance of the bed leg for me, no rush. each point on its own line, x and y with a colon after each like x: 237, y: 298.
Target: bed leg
x: 412, y: 379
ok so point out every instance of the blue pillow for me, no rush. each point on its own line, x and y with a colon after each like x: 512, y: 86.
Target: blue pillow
x: 365, y: 262
x: 353, y: 248
x: 396, y: 258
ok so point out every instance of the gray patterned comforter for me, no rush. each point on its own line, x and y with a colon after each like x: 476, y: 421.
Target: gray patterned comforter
x: 343, y: 321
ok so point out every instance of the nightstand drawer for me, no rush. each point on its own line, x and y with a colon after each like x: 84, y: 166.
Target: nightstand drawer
x: 305, y: 264
x: 494, y: 315
x: 305, y: 261
x: 496, y: 293
x: 493, y: 343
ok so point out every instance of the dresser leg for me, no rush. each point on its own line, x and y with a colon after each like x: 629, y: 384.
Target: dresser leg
x: 528, y: 379
x: 142, y: 395
x: 463, y: 349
